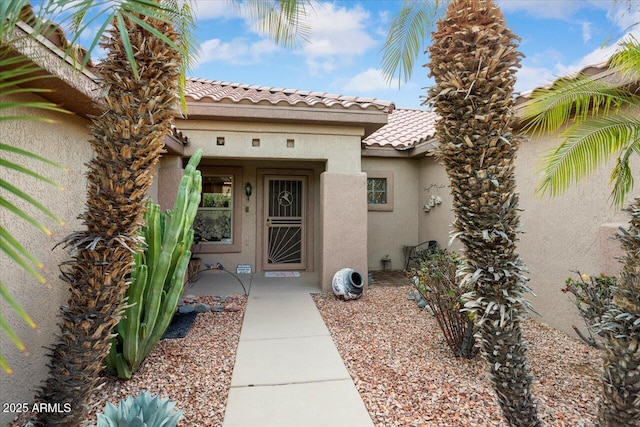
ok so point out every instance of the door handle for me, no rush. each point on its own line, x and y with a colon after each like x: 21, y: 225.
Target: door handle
x: 268, y: 222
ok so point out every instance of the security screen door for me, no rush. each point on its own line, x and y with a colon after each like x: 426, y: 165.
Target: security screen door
x: 285, y: 219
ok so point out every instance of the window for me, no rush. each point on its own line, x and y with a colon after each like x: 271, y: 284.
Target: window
x: 380, y: 190
x: 217, y: 223
x: 377, y: 191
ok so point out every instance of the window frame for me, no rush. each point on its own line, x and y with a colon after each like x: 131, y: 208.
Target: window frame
x: 236, y: 212
x: 381, y: 207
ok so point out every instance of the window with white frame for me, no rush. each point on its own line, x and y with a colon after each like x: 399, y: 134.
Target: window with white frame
x: 217, y: 223
x: 380, y: 190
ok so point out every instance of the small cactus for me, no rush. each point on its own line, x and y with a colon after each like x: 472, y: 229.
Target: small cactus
x: 145, y: 410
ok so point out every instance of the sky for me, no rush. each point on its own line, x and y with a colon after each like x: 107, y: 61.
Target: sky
x: 342, y: 54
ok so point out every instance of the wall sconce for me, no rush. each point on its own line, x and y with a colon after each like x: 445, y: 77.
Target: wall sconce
x: 247, y: 190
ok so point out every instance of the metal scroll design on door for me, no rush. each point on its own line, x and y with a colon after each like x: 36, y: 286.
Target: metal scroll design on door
x: 285, y: 221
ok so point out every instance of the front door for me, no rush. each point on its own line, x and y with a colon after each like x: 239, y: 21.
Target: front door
x: 284, y: 205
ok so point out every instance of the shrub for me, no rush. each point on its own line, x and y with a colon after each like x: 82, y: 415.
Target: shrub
x: 436, y: 282
x: 592, y: 296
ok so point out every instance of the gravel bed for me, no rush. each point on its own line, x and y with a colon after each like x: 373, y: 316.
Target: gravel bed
x: 407, y: 376
x: 397, y: 356
x: 195, y: 371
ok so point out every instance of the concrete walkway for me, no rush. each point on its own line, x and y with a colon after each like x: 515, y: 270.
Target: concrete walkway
x: 288, y: 371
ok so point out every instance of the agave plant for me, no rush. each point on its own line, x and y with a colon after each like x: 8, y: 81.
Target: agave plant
x: 145, y: 410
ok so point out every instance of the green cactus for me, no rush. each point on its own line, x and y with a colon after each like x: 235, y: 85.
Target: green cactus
x: 157, y: 280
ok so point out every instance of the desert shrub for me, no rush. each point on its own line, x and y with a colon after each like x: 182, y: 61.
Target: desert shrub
x: 592, y: 296
x: 436, y: 282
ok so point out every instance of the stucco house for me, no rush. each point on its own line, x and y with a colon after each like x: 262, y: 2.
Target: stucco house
x: 293, y: 180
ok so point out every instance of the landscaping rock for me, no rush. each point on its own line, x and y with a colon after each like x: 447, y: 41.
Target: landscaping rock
x: 233, y: 307
x: 188, y: 308
x: 202, y: 308
x: 217, y: 308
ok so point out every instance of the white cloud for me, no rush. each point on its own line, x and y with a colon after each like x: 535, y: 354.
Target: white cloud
x: 213, y: 9
x: 235, y: 52
x: 337, y: 31
x: 529, y: 78
x: 586, y: 31
x: 368, y: 81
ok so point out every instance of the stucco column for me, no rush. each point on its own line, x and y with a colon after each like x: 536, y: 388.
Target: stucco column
x: 168, y: 178
x: 343, y: 222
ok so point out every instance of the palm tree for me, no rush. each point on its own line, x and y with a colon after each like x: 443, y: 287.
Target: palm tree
x: 474, y: 59
x: 602, y: 124
x: 141, y: 76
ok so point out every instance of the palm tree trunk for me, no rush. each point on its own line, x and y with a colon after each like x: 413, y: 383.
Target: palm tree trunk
x: 620, y: 404
x: 127, y: 139
x: 474, y: 58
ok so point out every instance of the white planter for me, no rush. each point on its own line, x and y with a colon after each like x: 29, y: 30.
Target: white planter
x: 348, y: 284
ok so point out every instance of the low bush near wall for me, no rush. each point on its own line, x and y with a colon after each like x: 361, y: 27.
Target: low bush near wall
x: 436, y: 282
x: 592, y: 296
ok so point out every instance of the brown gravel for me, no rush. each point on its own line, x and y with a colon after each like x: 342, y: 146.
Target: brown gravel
x: 397, y: 356
x: 195, y: 372
x: 407, y: 376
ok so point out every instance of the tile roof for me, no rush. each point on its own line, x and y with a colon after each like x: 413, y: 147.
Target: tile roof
x: 406, y: 129
x: 237, y: 93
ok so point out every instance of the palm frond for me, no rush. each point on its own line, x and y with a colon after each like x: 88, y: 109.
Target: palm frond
x: 9, y: 15
x: 586, y: 147
x: 406, y: 37
x: 572, y: 101
x: 284, y: 20
x: 627, y: 60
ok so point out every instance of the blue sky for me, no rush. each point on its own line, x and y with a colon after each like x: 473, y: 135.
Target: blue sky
x: 342, y: 54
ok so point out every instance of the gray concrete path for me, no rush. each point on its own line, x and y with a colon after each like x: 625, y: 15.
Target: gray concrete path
x: 288, y: 371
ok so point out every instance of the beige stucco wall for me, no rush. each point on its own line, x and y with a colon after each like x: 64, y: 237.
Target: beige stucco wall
x: 64, y: 142
x: 389, y: 231
x: 570, y: 232
x: 338, y: 146
x: 316, y: 149
x: 435, y: 224
x: 343, y: 243
x: 564, y: 234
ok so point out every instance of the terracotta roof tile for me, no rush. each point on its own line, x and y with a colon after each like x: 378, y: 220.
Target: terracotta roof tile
x: 406, y: 129
x: 219, y: 91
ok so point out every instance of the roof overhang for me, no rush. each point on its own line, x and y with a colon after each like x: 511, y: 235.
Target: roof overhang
x: 421, y: 149
x: 369, y: 120
x: 62, y: 82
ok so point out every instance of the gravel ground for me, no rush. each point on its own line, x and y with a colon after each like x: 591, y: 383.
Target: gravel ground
x: 407, y: 376
x: 397, y: 356
x: 195, y: 372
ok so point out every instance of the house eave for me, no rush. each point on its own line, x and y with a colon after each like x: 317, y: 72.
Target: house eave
x: 421, y: 149
x: 64, y: 85
x: 369, y: 120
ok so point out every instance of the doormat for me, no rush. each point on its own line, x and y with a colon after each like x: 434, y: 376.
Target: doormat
x: 180, y: 325
x: 282, y: 274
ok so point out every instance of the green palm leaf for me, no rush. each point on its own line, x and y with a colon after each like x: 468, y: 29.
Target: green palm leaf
x: 571, y: 101
x: 585, y: 148
x: 282, y: 19
x: 406, y: 37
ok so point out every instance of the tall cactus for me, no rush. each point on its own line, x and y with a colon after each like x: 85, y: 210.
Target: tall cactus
x: 158, y: 276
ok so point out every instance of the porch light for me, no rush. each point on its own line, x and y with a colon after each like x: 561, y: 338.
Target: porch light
x: 247, y: 190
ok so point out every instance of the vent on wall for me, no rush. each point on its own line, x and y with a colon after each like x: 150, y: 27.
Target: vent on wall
x: 220, y: 140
